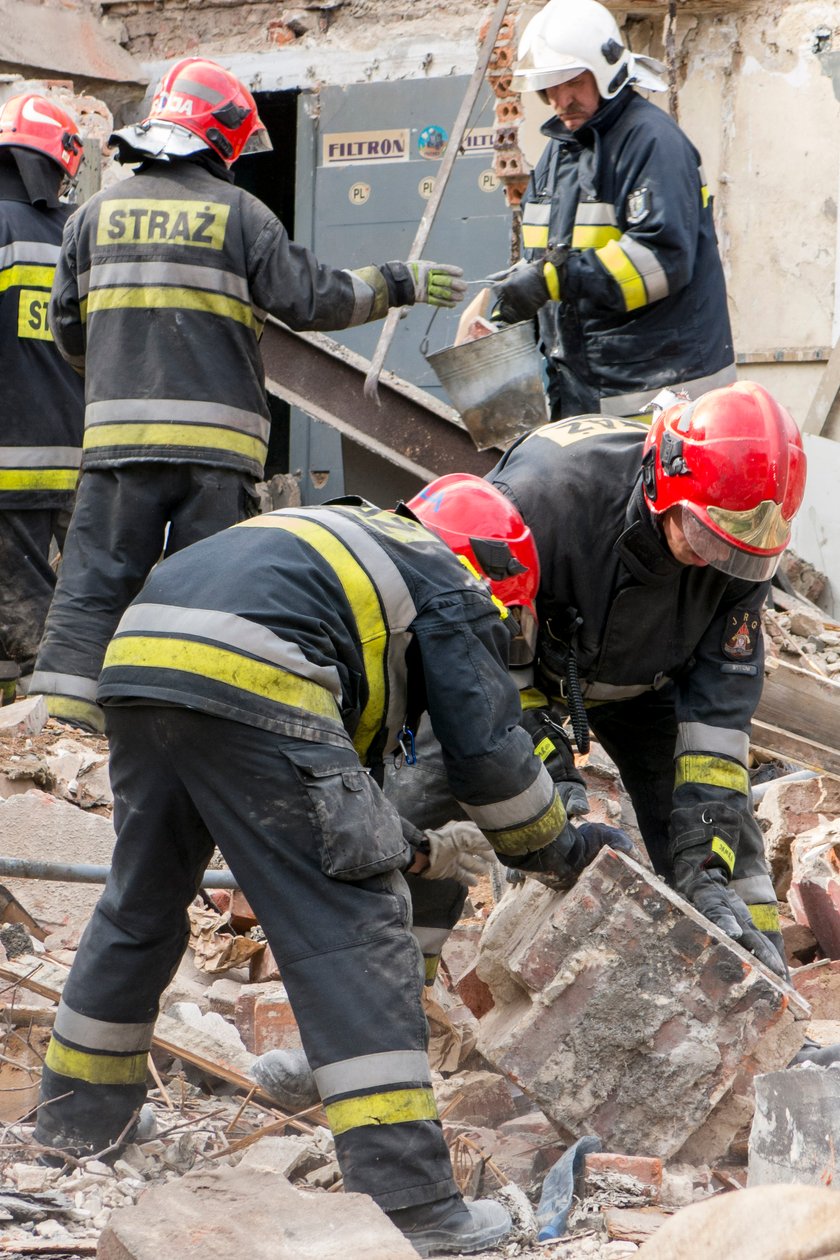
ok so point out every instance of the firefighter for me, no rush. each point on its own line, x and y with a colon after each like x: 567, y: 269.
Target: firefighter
x: 246, y: 689
x: 623, y: 269
x: 43, y: 404
x: 656, y: 550
x: 161, y: 293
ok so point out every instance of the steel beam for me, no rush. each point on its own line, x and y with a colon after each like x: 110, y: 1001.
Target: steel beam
x: 409, y: 427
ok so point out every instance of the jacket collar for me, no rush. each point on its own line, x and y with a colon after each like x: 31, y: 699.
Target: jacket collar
x: 600, y: 122
x: 642, y: 546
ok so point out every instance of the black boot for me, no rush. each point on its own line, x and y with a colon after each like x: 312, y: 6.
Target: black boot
x: 451, y: 1226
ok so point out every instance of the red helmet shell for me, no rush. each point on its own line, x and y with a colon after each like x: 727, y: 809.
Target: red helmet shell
x: 478, y: 522
x: 734, y: 460
x: 32, y: 121
x: 209, y: 101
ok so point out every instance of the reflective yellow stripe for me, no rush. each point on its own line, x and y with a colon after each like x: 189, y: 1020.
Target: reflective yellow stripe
x: 63, y: 708
x: 97, y: 1069
x: 26, y: 275
x: 545, y: 748
x: 431, y: 963
x: 766, y: 917
x: 223, y: 665
x: 147, y: 221
x: 532, y: 698
x: 705, y: 196
x: 587, y: 236
x: 363, y: 598
x: 535, y: 236
x: 715, y: 771
x: 552, y: 281
x: 397, y: 1107
x: 518, y: 840
x: 722, y: 849
x: 156, y: 297
x: 38, y: 478
x: 622, y: 270
x: 206, y: 435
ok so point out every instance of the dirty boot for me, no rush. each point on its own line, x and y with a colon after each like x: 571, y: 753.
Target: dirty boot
x: 453, y: 1227
x: 287, y: 1077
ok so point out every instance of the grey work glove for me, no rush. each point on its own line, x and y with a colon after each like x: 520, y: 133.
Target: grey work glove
x: 703, y: 848
x: 458, y: 850
x: 559, y: 863
x: 552, y: 746
x: 529, y: 287
x: 437, y: 284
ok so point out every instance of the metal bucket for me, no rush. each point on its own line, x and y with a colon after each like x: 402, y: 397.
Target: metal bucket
x: 496, y: 383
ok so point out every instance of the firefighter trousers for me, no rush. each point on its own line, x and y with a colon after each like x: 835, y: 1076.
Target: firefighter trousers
x: 27, y: 579
x: 125, y: 520
x: 316, y: 848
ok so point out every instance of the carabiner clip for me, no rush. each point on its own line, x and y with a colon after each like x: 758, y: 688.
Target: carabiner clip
x: 405, y: 740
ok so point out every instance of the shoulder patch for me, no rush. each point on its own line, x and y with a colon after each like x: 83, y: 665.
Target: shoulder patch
x: 637, y: 206
x: 740, y: 637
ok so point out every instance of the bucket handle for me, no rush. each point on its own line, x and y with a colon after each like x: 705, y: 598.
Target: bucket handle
x: 424, y: 344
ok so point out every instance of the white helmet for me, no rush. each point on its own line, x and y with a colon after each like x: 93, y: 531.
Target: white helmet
x: 570, y: 36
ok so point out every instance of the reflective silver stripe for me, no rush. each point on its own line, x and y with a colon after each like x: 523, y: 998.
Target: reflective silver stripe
x: 95, y: 1034
x: 371, y: 1071
x: 43, y: 683
x: 186, y: 275
x: 631, y: 404
x: 606, y: 691
x: 37, y: 252
x: 398, y: 608
x: 755, y: 890
x: 596, y: 214
x: 431, y: 940
x: 364, y: 297
x: 537, y: 213
x: 230, y: 631
x: 698, y: 737
x: 175, y: 411
x: 516, y: 810
x: 40, y: 456
x: 648, y: 267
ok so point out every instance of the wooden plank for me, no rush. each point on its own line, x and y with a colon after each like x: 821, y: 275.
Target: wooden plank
x: 192, y: 1045
x: 801, y: 703
x: 825, y: 396
x: 802, y: 752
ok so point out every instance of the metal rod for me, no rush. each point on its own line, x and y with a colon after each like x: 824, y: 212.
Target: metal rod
x: 441, y: 180
x: 796, y: 776
x: 70, y: 873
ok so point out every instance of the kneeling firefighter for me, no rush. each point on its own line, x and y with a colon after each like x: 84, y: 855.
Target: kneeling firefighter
x: 247, y: 688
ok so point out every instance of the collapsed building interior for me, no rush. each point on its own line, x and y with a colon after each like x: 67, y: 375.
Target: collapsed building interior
x: 355, y: 96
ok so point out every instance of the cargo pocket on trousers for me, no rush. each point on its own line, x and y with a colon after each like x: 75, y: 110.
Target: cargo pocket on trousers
x: 360, y: 829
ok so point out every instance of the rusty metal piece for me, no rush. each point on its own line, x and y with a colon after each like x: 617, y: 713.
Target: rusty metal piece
x: 408, y: 427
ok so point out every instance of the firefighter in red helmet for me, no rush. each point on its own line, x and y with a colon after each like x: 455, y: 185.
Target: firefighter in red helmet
x: 43, y: 403
x: 161, y: 293
x: 247, y: 689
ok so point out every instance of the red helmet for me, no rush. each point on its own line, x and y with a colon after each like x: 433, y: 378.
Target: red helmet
x: 197, y: 105
x: 31, y: 121
x: 732, y: 463
x: 480, y: 524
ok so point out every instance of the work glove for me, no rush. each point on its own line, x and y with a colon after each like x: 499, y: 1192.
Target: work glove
x: 704, y: 844
x: 559, y: 863
x: 552, y: 746
x: 529, y: 287
x: 437, y: 284
x: 458, y: 850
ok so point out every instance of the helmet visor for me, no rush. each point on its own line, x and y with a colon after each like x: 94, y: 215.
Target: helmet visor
x: 724, y: 555
x: 523, y: 646
x: 258, y: 142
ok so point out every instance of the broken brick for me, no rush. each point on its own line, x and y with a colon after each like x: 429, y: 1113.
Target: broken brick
x: 819, y: 984
x: 476, y: 1098
x: 640, y: 1174
x: 262, y: 969
x: 814, y: 894
x: 264, y: 1018
x: 622, y: 1011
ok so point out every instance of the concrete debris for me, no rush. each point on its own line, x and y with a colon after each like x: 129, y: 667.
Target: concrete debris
x: 794, y: 1130
x: 24, y: 717
x: 763, y: 1223
x: 620, y: 984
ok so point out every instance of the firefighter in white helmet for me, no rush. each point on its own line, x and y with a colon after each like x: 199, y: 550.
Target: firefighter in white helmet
x: 622, y: 270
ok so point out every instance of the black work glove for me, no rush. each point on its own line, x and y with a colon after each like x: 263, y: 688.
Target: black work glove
x: 704, y: 844
x: 552, y: 746
x: 559, y: 863
x: 529, y: 287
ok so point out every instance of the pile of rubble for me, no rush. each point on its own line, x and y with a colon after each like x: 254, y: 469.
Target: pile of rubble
x: 615, y: 1010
